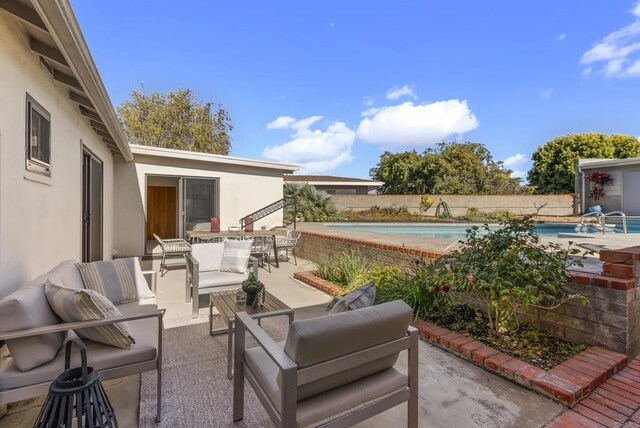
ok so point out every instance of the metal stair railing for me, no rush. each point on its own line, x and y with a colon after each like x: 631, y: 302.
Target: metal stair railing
x: 270, y: 209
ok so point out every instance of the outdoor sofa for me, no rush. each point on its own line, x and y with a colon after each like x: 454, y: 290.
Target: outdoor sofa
x: 143, y: 318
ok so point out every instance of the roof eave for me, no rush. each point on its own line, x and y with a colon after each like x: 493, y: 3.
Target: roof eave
x: 63, y: 27
x: 211, y: 158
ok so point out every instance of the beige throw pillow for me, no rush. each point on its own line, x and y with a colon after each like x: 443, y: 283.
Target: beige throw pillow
x: 85, y: 305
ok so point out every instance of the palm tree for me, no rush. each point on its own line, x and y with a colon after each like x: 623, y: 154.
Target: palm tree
x: 312, y: 204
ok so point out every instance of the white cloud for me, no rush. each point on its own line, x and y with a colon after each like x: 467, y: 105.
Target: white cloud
x: 618, y: 53
x: 405, y: 91
x: 517, y: 159
x: 281, y: 122
x: 367, y: 101
x: 410, y: 124
x: 315, y: 150
x: 519, y: 174
x: 546, y: 93
x: 306, y: 122
x: 561, y: 37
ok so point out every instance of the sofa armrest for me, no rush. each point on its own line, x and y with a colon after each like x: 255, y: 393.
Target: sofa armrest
x: 19, y: 334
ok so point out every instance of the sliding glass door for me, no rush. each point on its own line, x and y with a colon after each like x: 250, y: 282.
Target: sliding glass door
x: 91, y: 207
x: 199, y: 203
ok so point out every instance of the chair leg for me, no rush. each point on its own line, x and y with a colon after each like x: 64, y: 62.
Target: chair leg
x: 194, y: 298
x: 295, y: 259
x: 238, y: 373
x: 159, y: 380
x: 267, y: 257
x: 162, y: 265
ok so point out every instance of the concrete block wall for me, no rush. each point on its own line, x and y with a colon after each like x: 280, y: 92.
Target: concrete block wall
x: 555, y: 205
x: 611, y: 318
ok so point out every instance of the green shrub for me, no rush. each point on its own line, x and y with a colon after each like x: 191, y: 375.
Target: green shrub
x: 377, y: 213
x: 504, y: 215
x: 509, y: 267
x: 425, y: 203
x: 347, y: 269
x: 475, y: 215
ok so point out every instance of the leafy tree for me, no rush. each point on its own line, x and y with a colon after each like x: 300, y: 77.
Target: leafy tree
x: 176, y: 120
x: 554, y: 163
x: 449, y: 168
x: 312, y: 204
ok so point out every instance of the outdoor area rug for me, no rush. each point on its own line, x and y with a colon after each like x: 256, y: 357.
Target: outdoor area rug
x: 196, y: 391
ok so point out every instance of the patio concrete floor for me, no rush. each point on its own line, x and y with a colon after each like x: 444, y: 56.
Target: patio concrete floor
x: 453, y: 392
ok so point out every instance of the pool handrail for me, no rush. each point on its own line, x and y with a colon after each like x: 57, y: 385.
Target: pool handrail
x: 602, y: 219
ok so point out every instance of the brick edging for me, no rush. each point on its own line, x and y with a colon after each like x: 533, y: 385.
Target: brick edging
x: 567, y: 383
x: 311, y: 279
x: 373, y: 244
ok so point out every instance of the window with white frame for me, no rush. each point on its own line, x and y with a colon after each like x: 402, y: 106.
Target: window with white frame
x: 38, y: 132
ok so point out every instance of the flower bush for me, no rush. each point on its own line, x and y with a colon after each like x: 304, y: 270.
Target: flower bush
x: 510, y: 267
x: 598, y: 181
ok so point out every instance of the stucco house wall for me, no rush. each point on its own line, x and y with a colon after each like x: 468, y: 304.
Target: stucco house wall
x: 243, y: 190
x: 40, y: 220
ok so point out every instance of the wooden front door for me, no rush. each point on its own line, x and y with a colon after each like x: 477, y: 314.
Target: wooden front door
x: 161, y: 212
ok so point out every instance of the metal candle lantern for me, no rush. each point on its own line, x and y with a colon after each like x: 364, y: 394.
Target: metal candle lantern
x: 77, y: 394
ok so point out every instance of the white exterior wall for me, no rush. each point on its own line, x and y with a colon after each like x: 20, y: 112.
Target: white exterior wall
x: 243, y: 190
x: 40, y: 224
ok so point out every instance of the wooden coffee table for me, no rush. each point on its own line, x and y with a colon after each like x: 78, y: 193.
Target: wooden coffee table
x: 225, y: 303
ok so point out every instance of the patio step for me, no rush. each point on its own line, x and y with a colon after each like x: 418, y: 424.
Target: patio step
x: 616, y: 402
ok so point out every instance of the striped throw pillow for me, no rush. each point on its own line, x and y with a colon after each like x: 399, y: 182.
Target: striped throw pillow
x: 114, y: 279
x: 235, y: 256
x: 74, y: 305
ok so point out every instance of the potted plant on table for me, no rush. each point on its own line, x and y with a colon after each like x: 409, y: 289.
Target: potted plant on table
x: 254, y: 290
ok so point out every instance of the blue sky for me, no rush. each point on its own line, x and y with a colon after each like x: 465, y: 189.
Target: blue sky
x: 331, y: 85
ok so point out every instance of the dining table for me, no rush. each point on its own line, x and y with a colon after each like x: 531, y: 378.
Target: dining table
x: 203, y: 235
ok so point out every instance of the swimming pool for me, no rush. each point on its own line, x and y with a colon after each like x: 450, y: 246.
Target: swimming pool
x: 459, y: 231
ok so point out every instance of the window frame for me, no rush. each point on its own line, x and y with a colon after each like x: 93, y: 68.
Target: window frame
x: 31, y: 163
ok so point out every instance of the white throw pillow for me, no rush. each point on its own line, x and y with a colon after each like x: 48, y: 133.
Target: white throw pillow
x: 142, y: 287
x: 235, y: 256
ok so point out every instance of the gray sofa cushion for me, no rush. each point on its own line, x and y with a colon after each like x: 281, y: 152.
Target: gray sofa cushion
x: 27, y: 307
x: 316, y: 340
x: 69, y: 274
x: 88, y: 305
x: 101, y: 357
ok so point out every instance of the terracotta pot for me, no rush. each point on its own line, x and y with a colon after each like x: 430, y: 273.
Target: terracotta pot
x: 248, y: 224
x: 215, y: 224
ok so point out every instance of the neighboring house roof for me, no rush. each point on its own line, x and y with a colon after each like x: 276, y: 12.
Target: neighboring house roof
x: 208, y: 157
x: 327, y: 180
x: 607, y: 163
x: 55, y: 35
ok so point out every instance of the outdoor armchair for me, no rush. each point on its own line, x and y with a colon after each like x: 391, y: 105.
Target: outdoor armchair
x: 334, y: 371
x: 288, y: 244
x: 172, y: 248
x: 203, y: 272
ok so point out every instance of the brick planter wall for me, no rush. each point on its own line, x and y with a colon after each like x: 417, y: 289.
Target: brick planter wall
x: 611, y: 318
x: 315, y: 247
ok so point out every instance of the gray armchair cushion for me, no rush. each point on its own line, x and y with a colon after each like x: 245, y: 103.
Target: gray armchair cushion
x: 220, y: 279
x: 318, y: 409
x: 316, y: 340
x: 27, y: 307
x: 362, y: 297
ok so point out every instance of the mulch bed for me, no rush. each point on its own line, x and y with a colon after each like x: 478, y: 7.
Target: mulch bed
x: 527, y: 343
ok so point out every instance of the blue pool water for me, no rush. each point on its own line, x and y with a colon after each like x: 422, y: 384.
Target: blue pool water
x: 459, y: 231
